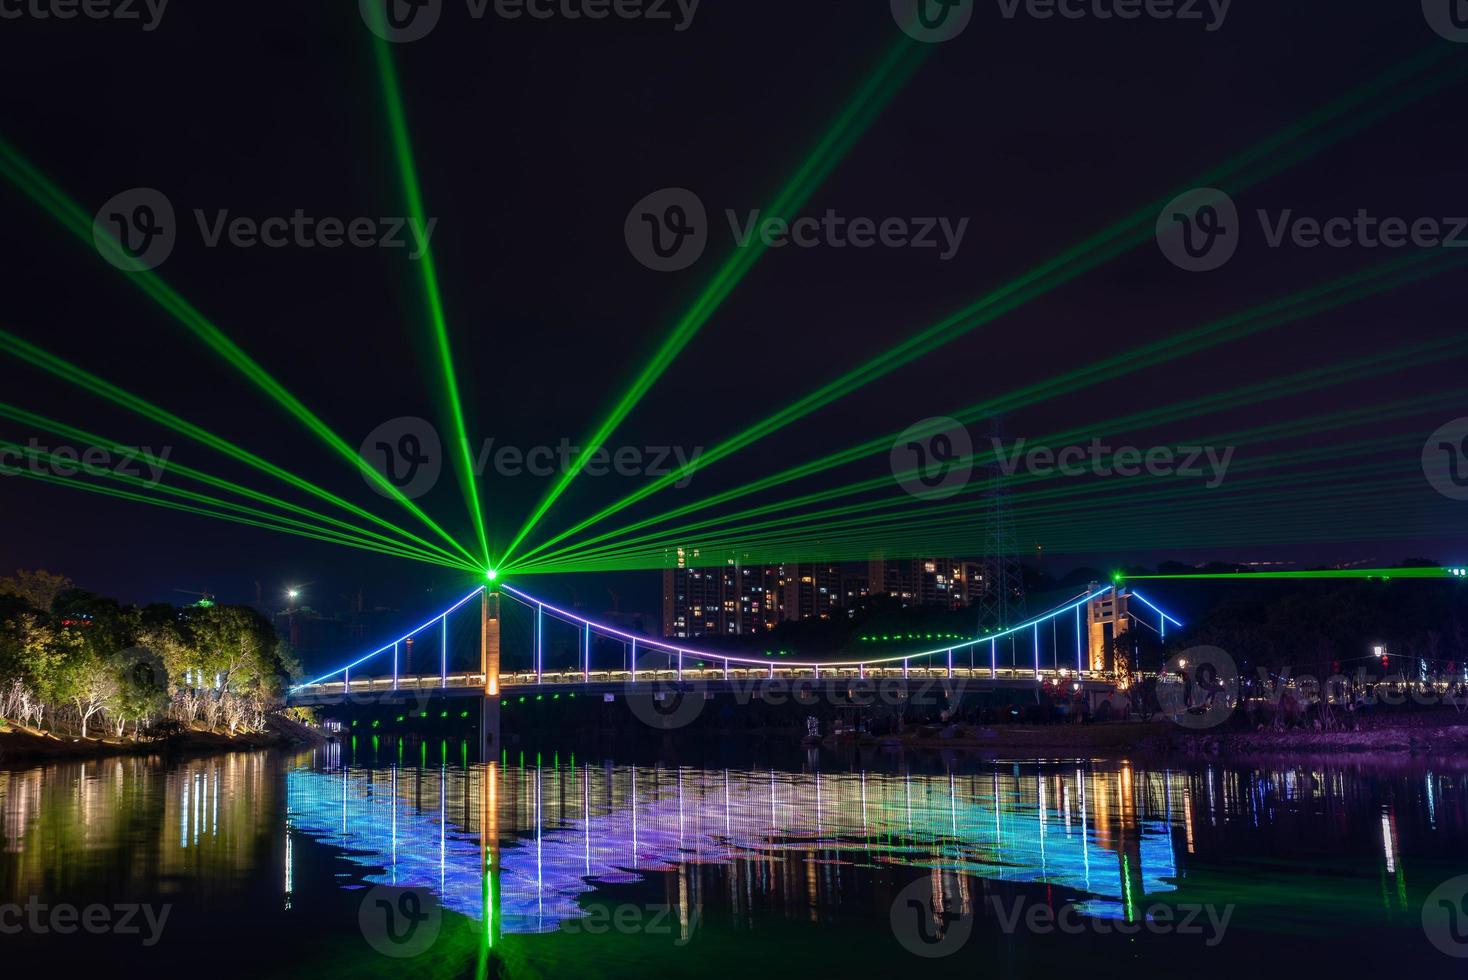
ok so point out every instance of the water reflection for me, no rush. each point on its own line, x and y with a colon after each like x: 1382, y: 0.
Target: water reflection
x: 566, y: 829
x: 525, y: 848
x: 112, y: 827
x: 1113, y: 836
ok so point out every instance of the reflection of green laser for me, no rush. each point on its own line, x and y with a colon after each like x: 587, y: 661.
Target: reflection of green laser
x: 46, y: 194
x: 89, y: 438
x: 398, y: 124
x: 1309, y: 302
x: 1112, y: 241
x: 880, y: 87
x: 36, y: 356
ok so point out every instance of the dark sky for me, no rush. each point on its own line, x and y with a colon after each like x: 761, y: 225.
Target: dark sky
x: 533, y: 141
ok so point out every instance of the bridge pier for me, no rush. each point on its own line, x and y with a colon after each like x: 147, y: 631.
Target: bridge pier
x: 489, y: 725
x: 489, y: 664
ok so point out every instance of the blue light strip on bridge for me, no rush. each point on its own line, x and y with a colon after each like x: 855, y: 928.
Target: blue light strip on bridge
x: 383, y: 649
x: 1149, y: 605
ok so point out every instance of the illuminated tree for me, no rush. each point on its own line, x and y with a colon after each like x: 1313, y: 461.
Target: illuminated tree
x: 88, y: 681
x: 39, y: 588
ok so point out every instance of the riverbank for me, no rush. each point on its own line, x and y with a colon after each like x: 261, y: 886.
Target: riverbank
x: 28, y: 746
x: 1426, y: 733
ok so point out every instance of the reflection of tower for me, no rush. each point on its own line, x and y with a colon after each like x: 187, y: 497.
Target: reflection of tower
x: 1002, y: 602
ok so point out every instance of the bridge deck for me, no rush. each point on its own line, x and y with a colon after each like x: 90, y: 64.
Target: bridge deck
x: 712, y: 679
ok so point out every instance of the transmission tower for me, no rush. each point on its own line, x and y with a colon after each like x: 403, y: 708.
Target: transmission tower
x: 1002, y: 603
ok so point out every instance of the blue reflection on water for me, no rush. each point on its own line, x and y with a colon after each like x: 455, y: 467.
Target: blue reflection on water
x: 561, y: 831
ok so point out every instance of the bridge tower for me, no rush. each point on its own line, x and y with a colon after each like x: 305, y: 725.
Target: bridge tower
x: 1107, y: 620
x: 489, y: 666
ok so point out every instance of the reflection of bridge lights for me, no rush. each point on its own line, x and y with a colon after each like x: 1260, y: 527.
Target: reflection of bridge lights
x: 562, y: 832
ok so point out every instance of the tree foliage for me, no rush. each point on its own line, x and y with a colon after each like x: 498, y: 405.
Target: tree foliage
x: 70, y: 660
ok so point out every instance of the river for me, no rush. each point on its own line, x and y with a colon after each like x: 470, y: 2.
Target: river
x: 376, y: 857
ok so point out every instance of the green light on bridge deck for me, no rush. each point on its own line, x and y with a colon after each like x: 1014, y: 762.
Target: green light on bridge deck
x: 463, y: 714
x: 400, y: 717
x: 443, y: 714
x: 555, y: 697
x: 504, y: 703
x: 376, y: 722
x: 522, y: 699
x: 540, y: 697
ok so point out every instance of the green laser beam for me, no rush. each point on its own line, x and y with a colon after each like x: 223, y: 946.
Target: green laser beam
x: 84, y: 437
x: 1128, y: 530
x: 1271, y: 432
x: 205, y: 512
x: 412, y: 192
x: 1322, y: 573
x: 1027, y: 515
x: 45, y: 193
x: 1115, y: 240
x: 898, y: 64
x: 40, y: 455
x: 1280, y: 387
x: 59, y: 367
x: 1287, y: 309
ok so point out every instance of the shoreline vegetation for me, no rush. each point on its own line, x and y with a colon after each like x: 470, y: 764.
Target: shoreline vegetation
x: 84, y: 675
x: 24, y: 745
x: 1442, y: 734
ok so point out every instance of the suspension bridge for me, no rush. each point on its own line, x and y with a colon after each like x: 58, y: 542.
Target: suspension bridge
x: 1066, y: 645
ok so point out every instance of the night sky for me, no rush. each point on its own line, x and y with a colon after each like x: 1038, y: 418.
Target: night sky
x: 533, y: 141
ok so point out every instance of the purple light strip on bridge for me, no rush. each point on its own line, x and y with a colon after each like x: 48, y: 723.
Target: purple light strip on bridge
x: 675, y: 648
